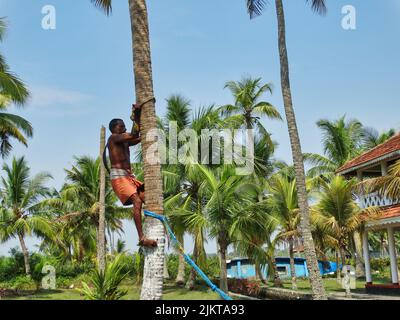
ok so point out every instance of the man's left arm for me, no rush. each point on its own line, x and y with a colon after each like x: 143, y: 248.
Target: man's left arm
x: 135, y: 141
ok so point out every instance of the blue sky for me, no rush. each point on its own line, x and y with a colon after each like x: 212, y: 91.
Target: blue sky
x: 80, y: 74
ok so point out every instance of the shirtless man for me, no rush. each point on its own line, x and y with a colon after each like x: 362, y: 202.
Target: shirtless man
x: 125, y: 185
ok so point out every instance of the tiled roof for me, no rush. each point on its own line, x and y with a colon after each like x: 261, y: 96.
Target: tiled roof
x: 387, y: 212
x: 390, y: 212
x: 385, y: 150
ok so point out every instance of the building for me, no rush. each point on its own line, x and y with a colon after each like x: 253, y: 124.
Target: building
x: 371, y: 164
x: 243, y: 268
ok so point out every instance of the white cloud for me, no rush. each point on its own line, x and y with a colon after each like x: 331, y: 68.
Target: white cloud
x: 57, y: 102
x: 54, y: 97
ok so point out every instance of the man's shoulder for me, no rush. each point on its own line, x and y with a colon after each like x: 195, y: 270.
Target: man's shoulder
x: 114, y: 136
x: 115, y: 139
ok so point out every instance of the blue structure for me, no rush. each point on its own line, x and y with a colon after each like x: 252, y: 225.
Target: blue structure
x: 243, y: 268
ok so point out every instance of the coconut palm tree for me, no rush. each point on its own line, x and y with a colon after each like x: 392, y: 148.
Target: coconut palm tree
x: 182, y: 183
x: 338, y: 215
x: 255, y: 8
x: 154, y: 258
x: 342, y: 141
x: 181, y: 188
x: 12, y: 90
x: 20, y: 212
x: 247, y: 108
x: 283, y: 204
x: 187, y: 212
x: 76, y: 207
x: 250, y: 231
x: 106, y: 283
x: 372, y: 138
x: 224, y: 191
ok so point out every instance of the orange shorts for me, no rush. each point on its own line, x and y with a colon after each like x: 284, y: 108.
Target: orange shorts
x: 125, y: 185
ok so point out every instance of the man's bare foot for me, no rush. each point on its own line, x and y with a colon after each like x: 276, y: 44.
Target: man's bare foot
x: 147, y: 243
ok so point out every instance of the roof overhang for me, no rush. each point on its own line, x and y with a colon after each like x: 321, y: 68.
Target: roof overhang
x: 379, y: 224
x: 369, y: 163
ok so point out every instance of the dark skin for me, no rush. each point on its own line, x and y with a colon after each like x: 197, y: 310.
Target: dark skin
x: 118, y: 146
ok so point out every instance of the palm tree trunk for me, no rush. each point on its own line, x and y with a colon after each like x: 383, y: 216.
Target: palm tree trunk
x: 292, y: 266
x: 317, y: 286
x: 360, y: 267
x: 154, y: 258
x: 101, y: 234
x: 259, y: 275
x: 25, y: 253
x: 338, y: 269
x: 166, y: 273
x: 223, y: 282
x: 277, y: 279
x: 180, y: 278
x: 342, y: 256
x: 81, y: 254
x: 190, y: 284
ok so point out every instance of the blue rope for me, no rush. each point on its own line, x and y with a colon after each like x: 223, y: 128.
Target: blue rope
x: 164, y: 220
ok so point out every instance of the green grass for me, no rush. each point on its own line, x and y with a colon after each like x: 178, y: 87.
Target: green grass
x: 331, y: 284
x: 171, y: 292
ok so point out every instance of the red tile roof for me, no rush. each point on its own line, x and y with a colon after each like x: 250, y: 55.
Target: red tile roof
x: 376, y: 154
x: 391, y: 212
x: 388, y: 212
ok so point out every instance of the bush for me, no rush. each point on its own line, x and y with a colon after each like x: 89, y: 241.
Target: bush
x: 9, y: 268
x: 211, y: 267
x: 380, y: 264
x: 21, y: 283
x: 105, y: 285
x: 245, y: 287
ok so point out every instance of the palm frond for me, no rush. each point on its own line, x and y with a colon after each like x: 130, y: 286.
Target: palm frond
x: 105, y: 5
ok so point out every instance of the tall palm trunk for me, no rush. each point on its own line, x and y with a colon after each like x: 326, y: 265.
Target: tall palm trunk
x: 223, y: 282
x: 292, y: 266
x: 25, y: 253
x: 180, y: 278
x: 154, y: 258
x: 101, y: 234
x: 317, y: 286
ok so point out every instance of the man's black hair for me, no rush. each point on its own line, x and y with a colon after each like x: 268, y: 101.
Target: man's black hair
x: 113, y: 123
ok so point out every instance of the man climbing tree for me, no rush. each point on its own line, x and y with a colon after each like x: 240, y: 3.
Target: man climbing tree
x: 128, y: 189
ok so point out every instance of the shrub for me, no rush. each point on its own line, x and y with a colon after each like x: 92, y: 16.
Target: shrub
x: 380, y: 264
x: 105, y: 285
x: 22, y: 283
x: 9, y: 268
x: 245, y: 287
x: 211, y: 268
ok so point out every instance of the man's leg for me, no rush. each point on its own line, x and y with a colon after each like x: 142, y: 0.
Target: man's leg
x: 137, y: 216
x: 141, y: 196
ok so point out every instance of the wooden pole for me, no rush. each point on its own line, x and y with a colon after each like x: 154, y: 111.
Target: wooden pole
x: 101, y: 231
